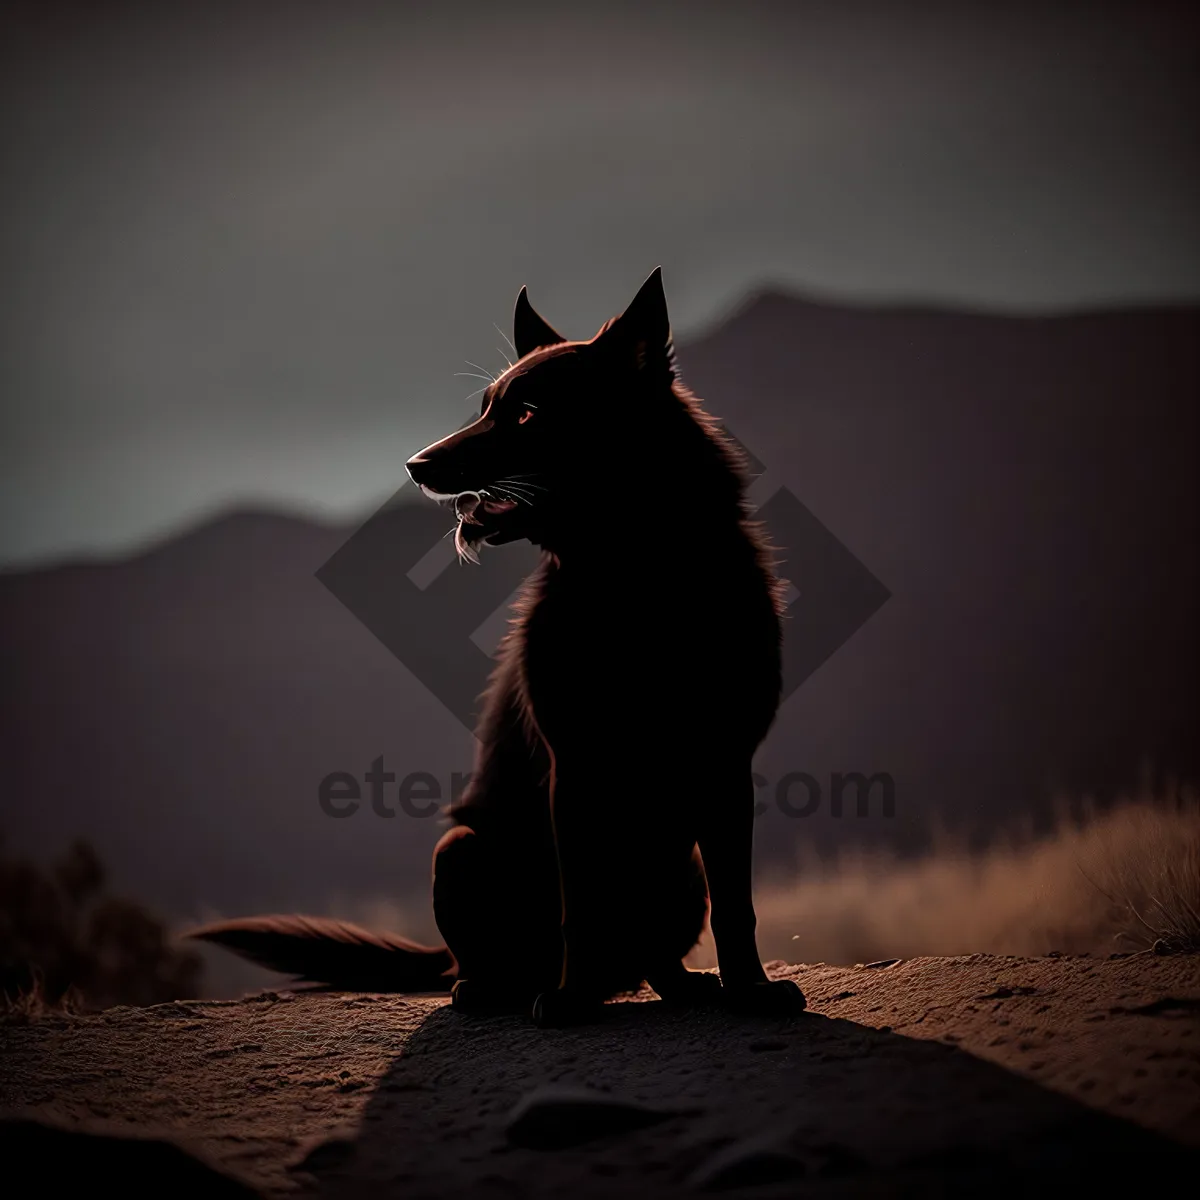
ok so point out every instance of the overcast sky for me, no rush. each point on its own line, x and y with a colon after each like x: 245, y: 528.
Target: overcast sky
x: 244, y: 253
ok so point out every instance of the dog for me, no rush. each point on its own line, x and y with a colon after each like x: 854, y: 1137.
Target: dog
x: 610, y: 812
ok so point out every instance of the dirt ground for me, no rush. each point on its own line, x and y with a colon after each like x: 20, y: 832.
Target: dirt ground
x: 932, y: 1076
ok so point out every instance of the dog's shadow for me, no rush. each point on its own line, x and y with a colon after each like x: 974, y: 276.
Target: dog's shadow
x: 684, y: 1101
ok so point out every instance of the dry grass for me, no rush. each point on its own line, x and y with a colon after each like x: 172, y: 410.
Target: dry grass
x: 1116, y: 880
x: 67, y: 941
x: 1119, y: 880
x: 32, y: 1004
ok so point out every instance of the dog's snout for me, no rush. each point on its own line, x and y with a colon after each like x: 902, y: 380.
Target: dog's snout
x: 418, y: 468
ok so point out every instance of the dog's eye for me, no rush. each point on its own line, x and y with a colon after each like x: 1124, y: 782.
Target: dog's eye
x: 526, y: 414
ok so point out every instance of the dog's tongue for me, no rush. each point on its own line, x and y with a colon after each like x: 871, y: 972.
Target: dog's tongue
x: 498, y: 506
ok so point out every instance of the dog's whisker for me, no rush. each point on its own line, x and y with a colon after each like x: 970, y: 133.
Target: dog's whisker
x: 506, y: 338
x: 519, y: 497
x: 503, y: 494
x: 507, y: 360
x: 486, y: 373
x: 473, y: 375
x: 523, y: 487
x: 521, y: 479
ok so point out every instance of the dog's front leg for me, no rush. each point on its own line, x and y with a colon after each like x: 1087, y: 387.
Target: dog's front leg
x: 727, y: 847
x: 584, y: 837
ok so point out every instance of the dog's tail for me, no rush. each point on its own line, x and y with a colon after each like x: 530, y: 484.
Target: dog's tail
x: 335, y: 954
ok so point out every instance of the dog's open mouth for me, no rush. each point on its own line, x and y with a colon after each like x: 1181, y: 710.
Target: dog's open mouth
x: 483, y: 520
x: 498, y: 506
x: 469, y: 505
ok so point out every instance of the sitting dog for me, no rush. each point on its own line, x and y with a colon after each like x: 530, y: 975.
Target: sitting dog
x: 611, y: 808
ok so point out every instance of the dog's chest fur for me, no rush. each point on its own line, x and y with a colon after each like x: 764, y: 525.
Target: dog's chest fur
x: 657, y: 651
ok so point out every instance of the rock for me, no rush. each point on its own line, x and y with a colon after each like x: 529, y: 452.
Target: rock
x: 766, y: 1159
x: 59, y: 1160
x: 742, y: 1166
x: 553, y: 1118
x: 330, y: 1154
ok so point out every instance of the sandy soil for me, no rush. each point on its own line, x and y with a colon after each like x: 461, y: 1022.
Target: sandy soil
x: 975, y: 1075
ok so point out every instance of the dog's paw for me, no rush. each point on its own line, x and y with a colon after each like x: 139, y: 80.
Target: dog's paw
x: 690, y: 989
x: 564, y: 1007
x: 770, y: 998
x: 477, y: 998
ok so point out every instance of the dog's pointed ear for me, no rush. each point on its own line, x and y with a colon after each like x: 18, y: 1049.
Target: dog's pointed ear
x: 643, y: 332
x: 530, y: 332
